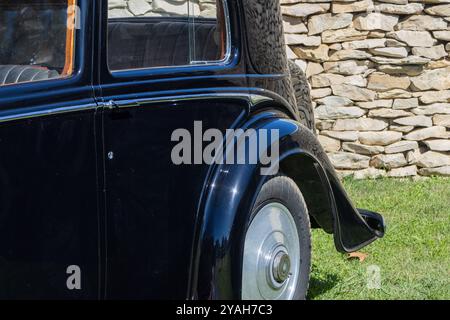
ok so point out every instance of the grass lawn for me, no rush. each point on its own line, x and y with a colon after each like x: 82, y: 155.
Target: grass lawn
x: 414, y: 256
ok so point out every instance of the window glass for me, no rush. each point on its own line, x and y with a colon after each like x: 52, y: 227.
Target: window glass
x: 164, y: 33
x: 37, y: 39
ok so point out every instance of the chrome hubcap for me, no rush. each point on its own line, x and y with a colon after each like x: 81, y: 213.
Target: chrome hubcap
x: 271, y: 260
x: 281, y: 267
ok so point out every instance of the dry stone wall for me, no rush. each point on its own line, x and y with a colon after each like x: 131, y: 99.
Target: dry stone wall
x: 380, y: 78
x: 147, y: 8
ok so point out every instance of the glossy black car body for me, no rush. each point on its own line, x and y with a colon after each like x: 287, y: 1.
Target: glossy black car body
x: 86, y: 177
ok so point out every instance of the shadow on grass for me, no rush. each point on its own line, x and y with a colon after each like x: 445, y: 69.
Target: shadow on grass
x: 318, y: 285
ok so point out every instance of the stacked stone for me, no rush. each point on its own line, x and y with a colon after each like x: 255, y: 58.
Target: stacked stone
x: 148, y: 8
x: 380, y: 78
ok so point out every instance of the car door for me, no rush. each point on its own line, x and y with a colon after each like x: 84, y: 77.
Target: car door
x: 49, y: 244
x: 161, y: 72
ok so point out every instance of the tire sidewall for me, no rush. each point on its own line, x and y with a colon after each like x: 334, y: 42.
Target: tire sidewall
x: 283, y: 190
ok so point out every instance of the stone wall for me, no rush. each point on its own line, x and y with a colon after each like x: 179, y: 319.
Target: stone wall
x: 130, y: 8
x: 380, y: 78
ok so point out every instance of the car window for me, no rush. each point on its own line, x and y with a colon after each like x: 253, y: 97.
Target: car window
x: 164, y: 33
x: 37, y: 40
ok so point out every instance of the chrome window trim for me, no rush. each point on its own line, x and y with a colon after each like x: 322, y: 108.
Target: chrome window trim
x: 227, y: 55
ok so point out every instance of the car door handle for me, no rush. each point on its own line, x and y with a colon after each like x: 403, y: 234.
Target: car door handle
x: 120, y: 110
x: 111, y: 104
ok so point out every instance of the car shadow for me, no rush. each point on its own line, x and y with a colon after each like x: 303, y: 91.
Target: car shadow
x: 322, y: 284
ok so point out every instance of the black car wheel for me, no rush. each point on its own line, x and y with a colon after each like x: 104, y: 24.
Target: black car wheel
x: 277, y: 248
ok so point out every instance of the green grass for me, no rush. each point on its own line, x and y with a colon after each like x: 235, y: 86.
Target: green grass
x: 414, y: 255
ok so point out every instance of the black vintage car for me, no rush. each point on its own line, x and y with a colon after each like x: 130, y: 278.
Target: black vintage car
x: 92, y: 204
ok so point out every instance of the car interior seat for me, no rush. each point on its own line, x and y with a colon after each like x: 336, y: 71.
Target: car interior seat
x: 153, y: 42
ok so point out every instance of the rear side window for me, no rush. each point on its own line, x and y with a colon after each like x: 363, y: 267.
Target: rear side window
x: 37, y: 40
x: 164, y: 33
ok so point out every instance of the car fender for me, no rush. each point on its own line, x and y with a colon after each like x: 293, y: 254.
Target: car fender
x: 231, y: 191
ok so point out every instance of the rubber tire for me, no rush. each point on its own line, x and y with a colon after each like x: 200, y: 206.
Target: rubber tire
x: 284, y: 190
x: 302, y: 95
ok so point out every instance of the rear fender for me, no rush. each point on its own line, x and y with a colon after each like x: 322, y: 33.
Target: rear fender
x: 228, y: 200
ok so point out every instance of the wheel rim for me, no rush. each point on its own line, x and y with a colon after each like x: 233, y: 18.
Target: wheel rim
x: 271, y: 261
